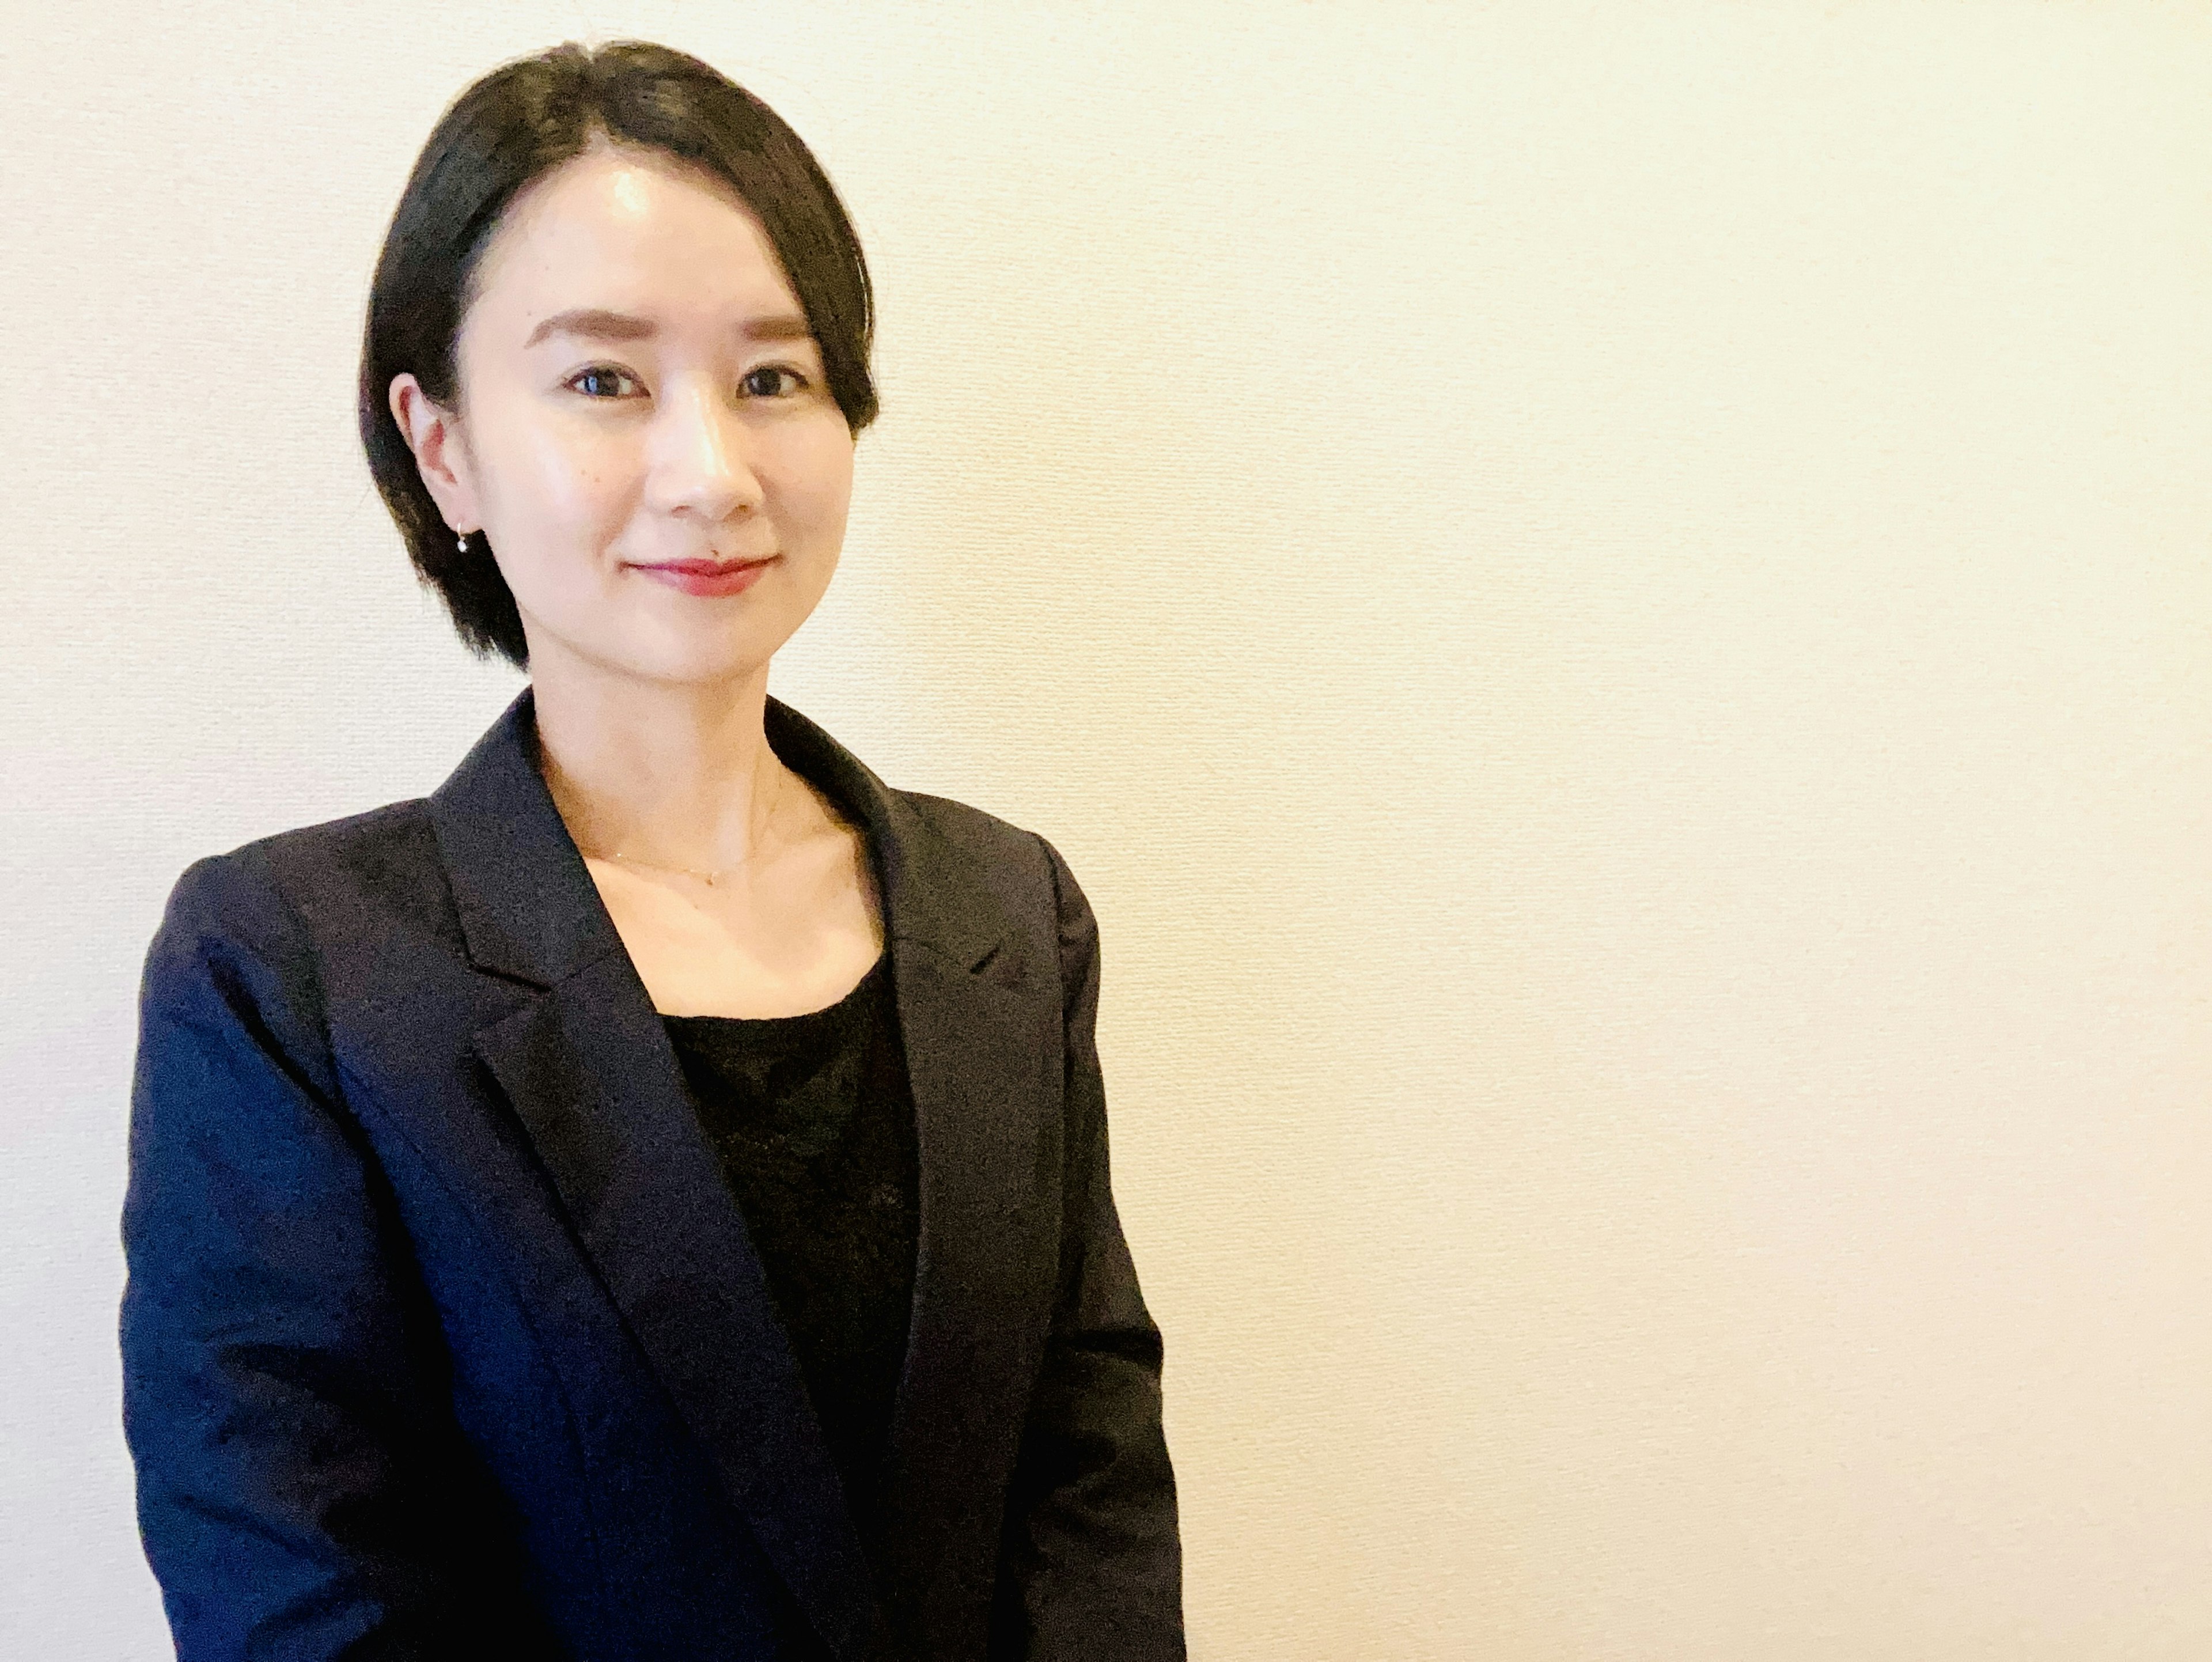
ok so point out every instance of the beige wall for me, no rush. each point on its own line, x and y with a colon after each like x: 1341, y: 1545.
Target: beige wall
x: 1612, y: 603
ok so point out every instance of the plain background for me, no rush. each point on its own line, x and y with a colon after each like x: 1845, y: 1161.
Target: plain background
x: 1612, y: 603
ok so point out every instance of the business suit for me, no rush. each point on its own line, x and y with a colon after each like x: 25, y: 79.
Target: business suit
x: 443, y: 1334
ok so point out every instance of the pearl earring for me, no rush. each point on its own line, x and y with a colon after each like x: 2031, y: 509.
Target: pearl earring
x: 461, y: 542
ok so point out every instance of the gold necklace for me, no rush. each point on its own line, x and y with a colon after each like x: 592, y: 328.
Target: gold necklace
x: 708, y: 878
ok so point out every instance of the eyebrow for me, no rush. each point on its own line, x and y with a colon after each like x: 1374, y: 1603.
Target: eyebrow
x: 596, y: 323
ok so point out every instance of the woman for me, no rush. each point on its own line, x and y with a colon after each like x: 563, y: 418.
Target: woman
x: 649, y: 1198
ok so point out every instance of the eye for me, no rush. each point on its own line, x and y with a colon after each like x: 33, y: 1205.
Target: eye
x: 600, y: 372
x: 784, y: 369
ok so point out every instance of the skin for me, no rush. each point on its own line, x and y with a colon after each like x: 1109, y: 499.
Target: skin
x: 583, y: 458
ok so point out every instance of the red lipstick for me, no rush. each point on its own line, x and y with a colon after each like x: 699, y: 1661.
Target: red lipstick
x: 709, y: 576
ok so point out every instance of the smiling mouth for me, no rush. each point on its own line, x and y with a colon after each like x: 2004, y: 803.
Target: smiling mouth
x: 706, y: 568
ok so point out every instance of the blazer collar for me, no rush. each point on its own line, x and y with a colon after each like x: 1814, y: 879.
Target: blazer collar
x: 588, y: 1065
x: 530, y: 909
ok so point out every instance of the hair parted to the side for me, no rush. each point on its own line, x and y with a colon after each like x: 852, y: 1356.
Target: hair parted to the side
x: 521, y: 121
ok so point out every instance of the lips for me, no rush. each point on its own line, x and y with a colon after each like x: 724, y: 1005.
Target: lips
x: 708, y: 568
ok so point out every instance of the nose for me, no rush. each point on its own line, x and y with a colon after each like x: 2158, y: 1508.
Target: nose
x: 702, y: 462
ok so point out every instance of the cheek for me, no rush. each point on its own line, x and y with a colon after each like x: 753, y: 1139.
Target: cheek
x: 824, y: 473
x: 561, y: 507
x: 572, y: 477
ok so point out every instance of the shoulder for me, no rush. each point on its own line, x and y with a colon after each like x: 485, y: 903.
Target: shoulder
x: 981, y: 836
x: 304, y: 868
x: 992, y: 842
x: 1022, y: 867
x: 274, y: 944
x: 279, y: 898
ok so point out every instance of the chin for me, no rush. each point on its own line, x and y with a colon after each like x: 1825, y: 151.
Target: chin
x: 703, y: 664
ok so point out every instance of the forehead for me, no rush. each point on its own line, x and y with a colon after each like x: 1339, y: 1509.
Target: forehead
x: 632, y: 230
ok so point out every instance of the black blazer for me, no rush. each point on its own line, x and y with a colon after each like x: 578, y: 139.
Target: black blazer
x: 442, y: 1334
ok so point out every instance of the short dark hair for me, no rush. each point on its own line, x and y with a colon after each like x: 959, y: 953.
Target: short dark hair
x: 521, y: 121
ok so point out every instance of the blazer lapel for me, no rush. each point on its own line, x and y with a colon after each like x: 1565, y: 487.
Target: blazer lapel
x: 587, y: 1066
x: 584, y: 1065
x: 979, y: 1022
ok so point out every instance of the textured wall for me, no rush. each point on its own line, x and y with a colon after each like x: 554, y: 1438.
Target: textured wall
x: 1612, y: 602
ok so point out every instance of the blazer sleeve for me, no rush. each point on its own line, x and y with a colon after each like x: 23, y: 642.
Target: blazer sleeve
x: 1091, y: 1559
x: 301, y: 1490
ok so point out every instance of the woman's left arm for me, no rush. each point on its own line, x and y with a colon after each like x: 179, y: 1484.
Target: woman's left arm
x: 1090, y: 1564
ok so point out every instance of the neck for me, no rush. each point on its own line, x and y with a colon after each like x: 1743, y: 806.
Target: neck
x: 674, y: 776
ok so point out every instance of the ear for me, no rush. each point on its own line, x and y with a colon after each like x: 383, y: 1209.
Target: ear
x: 442, y: 453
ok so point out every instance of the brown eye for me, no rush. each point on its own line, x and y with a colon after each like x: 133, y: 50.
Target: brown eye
x: 777, y: 369
x: 605, y: 373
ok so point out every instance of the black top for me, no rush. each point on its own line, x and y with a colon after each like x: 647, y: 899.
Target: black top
x: 810, y: 1117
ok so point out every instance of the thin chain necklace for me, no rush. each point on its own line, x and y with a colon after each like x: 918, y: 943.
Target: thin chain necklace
x: 708, y: 878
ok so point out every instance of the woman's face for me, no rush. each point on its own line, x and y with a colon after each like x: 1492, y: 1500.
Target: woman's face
x: 637, y: 385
